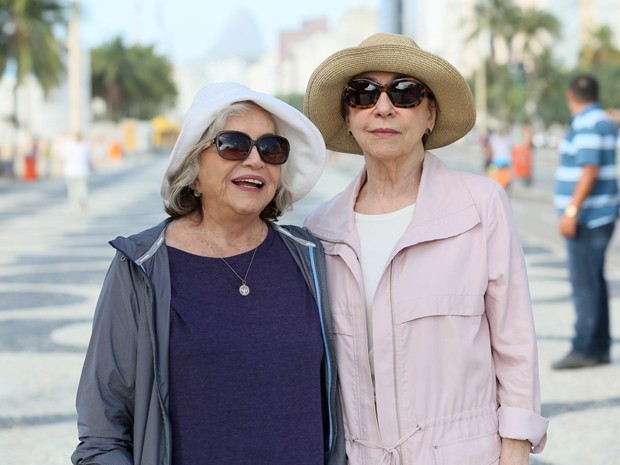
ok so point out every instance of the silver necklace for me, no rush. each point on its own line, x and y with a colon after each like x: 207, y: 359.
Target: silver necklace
x: 244, y: 289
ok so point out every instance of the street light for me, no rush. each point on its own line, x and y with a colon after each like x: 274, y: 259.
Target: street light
x: 517, y: 72
x: 75, y: 71
x: 481, y: 86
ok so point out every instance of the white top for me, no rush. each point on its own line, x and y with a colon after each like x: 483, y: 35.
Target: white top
x: 378, y: 236
x: 501, y: 148
x: 76, y: 155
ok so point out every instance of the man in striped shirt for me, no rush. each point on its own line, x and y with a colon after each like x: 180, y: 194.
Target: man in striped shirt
x: 586, y: 195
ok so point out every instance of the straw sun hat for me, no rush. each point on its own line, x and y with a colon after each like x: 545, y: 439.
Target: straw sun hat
x: 393, y: 53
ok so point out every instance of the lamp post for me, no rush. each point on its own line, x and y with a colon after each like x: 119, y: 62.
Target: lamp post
x: 481, y: 87
x: 75, y: 71
x: 517, y: 72
x: 12, y: 67
x: 522, y: 152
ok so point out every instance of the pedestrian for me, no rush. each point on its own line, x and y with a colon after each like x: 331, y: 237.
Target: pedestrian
x: 586, y: 195
x: 77, y: 159
x: 501, y: 144
x: 500, y: 147
x: 428, y: 288
x: 212, y: 340
x: 32, y: 156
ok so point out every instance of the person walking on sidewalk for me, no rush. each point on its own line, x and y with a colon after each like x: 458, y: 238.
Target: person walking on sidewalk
x: 428, y: 286
x: 212, y: 339
x: 500, y: 147
x: 77, y: 158
x: 586, y: 195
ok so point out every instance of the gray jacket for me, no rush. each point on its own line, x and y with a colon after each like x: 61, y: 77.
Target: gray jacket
x: 122, y: 398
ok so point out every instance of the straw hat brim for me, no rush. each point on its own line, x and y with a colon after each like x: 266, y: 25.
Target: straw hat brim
x: 396, y: 54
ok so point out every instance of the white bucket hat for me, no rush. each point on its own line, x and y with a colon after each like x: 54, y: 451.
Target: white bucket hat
x: 308, y: 154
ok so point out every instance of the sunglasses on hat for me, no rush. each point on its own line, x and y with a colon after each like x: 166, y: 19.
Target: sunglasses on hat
x: 403, y: 93
x: 236, y: 145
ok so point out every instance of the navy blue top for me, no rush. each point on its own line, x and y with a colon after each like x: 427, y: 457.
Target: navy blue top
x: 245, y: 371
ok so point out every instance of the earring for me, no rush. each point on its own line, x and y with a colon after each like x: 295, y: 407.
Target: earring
x: 428, y: 131
x: 197, y: 194
x: 350, y: 133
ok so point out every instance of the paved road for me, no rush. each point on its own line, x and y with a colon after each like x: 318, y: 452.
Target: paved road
x: 52, y: 263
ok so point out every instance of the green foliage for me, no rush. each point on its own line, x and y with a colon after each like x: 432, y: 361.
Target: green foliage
x: 608, y: 76
x: 29, y: 32
x: 134, y: 81
x: 531, y: 86
x: 294, y: 100
x: 552, y: 82
x: 601, y: 58
x: 29, y: 40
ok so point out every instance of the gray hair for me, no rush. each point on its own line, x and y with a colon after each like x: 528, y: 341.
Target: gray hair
x: 182, y: 200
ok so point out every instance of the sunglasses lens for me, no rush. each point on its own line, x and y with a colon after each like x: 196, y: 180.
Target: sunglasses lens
x: 362, y: 93
x: 233, y: 145
x: 403, y: 93
x: 406, y: 93
x: 273, y: 149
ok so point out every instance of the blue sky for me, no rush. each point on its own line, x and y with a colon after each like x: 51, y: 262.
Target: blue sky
x: 184, y: 28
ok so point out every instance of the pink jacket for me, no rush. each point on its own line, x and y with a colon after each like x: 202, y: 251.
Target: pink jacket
x: 454, y: 344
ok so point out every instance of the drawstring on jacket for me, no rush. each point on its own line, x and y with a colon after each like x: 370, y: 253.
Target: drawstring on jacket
x: 391, y: 455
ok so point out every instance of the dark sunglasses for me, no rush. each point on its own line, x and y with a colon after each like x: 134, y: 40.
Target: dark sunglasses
x: 236, y: 145
x: 403, y: 93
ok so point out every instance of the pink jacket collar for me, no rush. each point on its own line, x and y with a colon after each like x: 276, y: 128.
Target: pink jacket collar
x: 444, y: 208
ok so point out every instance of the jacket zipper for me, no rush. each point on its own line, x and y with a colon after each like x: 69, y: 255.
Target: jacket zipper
x: 326, y: 347
x: 395, y: 367
x: 164, y: 413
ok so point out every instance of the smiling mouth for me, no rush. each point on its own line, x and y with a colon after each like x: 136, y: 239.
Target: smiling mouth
x: 248, y: 183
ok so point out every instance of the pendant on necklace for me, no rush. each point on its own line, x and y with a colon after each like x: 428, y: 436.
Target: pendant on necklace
x: 244, y: 289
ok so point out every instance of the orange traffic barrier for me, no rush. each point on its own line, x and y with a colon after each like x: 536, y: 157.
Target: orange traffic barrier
x: 522, y: 161
x: 30, y: 171
x: 115, y: 151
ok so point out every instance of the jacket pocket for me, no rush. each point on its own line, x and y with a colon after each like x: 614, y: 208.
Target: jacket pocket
x: 342, y: 324
x: 479, y: 450
x: 439, y: 305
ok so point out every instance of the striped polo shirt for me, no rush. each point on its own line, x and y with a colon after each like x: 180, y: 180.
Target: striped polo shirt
x: 591, y: 140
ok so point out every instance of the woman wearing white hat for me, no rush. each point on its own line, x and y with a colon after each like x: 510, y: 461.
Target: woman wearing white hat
x: 212, y: 340
x: 428, y: 287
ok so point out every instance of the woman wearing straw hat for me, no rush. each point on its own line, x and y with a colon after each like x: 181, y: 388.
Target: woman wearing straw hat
x: 212, y: 341
x: 428, y: 287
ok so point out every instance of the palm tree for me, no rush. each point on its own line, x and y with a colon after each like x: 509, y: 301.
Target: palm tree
x: 599, y: 50
x: 493, y: 20
x: 152, y: 84
x: 525, y: 35
x: 550, y: 81
x: 601, y: 57
x: 133, y: 81
x: 28, y: 43
x: 536, y: 30
x: 107, y: 64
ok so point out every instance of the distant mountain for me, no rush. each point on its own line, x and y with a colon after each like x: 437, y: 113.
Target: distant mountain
x: 241, y: 38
